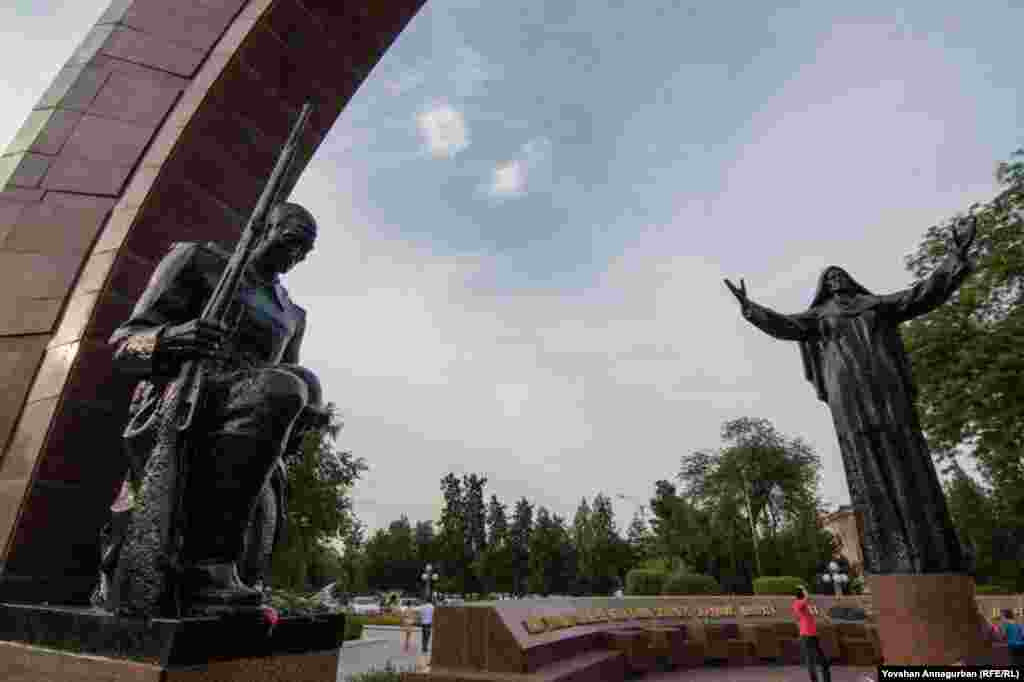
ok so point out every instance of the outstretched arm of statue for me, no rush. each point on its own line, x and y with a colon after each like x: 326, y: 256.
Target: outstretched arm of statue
x: 785, y: 327
x: 937, y: 288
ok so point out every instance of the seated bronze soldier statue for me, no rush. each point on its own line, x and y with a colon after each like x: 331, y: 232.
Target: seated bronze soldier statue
x: 257, y: 404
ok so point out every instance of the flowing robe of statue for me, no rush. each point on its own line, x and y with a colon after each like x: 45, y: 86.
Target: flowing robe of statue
x: 854, y: 355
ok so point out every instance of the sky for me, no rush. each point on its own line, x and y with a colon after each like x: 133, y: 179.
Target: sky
x: 527, y: 210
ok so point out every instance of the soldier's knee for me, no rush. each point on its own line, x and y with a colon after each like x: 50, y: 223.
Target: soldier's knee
x: 314, y: 392
x: 283, y: 390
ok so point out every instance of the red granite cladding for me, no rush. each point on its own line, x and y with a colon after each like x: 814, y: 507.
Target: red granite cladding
x: 932, y: 618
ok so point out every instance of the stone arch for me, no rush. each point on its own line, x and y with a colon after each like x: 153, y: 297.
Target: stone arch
x: 161, y: 127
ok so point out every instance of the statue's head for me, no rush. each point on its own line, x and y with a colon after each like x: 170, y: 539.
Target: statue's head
x: 291, y: 233
x: 835, y: 280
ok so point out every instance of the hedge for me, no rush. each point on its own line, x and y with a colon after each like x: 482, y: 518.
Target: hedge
x: 353, y: 627
x: 777, y: 584
x: 993, y: 589
x: 645, y: 582
x: 691, y: 583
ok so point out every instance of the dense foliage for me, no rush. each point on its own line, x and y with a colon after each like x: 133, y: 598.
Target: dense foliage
x: 777, y: 584
x: 319, y: 509
x: 691, y: 583
x: 969, y: 370
x: 645, y: 582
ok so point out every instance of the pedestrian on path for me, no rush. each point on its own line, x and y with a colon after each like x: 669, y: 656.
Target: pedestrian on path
x: 810, y: 648
x: 408, y: 626
x: 1014, y: 637
x: 426, y: 622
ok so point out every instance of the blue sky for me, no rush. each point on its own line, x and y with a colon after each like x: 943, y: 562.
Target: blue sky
x: 527, y: 210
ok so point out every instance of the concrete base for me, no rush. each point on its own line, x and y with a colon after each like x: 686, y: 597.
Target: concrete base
x: 928, y: 619
x: 25, y: 663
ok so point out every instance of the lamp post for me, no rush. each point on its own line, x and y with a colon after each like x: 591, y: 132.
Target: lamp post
x: 835, y: 577
x: 428, y: 577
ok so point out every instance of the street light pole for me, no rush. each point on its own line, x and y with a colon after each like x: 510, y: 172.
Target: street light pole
x: 835, y: 577
x: 428, y: 577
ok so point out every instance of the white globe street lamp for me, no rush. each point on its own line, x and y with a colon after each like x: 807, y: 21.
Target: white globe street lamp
x: 835, y: 577
x: 428, y: 577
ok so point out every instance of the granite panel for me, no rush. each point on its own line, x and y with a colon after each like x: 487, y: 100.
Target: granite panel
x: 64, y: 459
x: 74, y: 88
x: 107, y: 140
x: 12, y: 492
x: 150, y: 50
x: 66, y: 512
x: 45, y: 131
x: 74, y: 320
x: 94, y: 273
x: 10, y: 211
x: 52, y: 228
x: 112, y: 311
x: 115, y: 230
x: 129, y: 274
x: 23, y: 170
x: 29, y: 315
x: 80, y: 201
x: 95, y: 381
x: 142, y: 98
x: 196, y: 25
x: 36, y: 275
x: 22, y: 452
x: 19, y: 358
x: 21, y: 194
x: 53, y: 372
x: 210, y: 167
x: 86, y: 177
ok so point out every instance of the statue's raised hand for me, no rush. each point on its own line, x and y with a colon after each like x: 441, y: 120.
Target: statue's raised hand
x: 740, y: 292
x: 962, y: 234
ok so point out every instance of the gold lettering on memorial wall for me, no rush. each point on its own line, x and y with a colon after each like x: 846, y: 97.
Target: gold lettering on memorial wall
x: 758, y: 610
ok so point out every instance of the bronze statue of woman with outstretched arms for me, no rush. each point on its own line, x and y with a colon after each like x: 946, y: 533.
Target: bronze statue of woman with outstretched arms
x: 853, y: 355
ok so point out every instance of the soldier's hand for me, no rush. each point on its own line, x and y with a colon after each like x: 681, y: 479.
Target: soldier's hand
x: 193, y: 340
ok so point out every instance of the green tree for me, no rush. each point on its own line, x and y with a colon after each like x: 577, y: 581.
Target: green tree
x: 608, y: 552
x: 519, y: 543
x: 498, y: 569
x: 320, y: 479
x: 452, y: 540
x: 966, y: 355
x: 582, y: 540
x: 475, y: 514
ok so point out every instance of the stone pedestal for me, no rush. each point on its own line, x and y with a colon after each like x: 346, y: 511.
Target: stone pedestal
x: 84, y: 645
x: 928, y: 619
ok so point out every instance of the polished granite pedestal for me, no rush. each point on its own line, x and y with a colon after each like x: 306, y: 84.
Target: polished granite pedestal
x: 43, y: 642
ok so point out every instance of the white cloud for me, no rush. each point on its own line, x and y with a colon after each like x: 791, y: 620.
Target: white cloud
x: 531, y: 168
x: 444, y: 130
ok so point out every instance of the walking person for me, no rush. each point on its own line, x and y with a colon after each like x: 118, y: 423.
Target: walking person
x: 1014, y: 638
x: 426, y: 622
x: 810, y: 648
x: 408, y: 626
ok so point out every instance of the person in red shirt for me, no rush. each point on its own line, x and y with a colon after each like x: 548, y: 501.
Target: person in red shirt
x: 810, y: 647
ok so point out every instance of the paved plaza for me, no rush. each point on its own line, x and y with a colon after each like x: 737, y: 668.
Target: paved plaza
x: 383, y: 646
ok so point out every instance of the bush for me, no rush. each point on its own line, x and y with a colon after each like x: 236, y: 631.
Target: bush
x: 386, y: 619
x: 645, y: 582
x: 777, y: 584
x: 691, y: 583
x: 993, y: 589
x: 288, y: 603
x: 354, y: 627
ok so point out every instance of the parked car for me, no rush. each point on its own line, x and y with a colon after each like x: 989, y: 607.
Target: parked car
x: 407, y: 603
x: 365, y: 606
